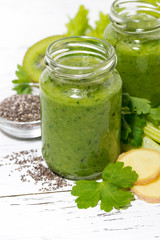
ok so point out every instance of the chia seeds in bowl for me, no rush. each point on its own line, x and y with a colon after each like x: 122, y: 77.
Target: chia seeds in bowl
x: 20, y: 114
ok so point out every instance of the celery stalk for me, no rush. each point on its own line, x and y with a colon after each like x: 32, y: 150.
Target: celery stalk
x: 150, y: 144
x: 152, y: 132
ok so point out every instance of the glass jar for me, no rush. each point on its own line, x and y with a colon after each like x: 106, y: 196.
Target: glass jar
x: 134, y: 32
x: 80, y: 93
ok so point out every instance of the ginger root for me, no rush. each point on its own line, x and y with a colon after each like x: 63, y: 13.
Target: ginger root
x: 149, y: 192
x: 145, y: 162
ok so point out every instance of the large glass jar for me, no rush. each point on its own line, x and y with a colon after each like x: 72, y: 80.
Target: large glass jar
x: 134, y: 32
x: 80, y: 93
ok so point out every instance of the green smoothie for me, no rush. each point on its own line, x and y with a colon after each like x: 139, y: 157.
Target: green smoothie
x: 138, y: 62
x: 80, y: 93
x: 80, y: 126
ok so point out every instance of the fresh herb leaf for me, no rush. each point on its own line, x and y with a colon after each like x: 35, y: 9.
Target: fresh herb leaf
x: 136, y: 105
x: 22, y: 77
x: 137, y: 124
x: 22, y: 83
x: 125, y: 130
x: 126, y: 101
x: 137, y: 116
x: 101, y: 24
x: 79, y: 25
x: 140, y: 105
x: 112, y: 191
x: 88, y: 193
x: 112, y: 196
x: 154, y: 116
x: 119, y: 175
x: 134, y: 119
x: 22, y: 89
x: 136, y: 138
x: 132, y: 130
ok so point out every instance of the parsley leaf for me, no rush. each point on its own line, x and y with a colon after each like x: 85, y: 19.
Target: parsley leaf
x: 88, y: 192
x: 22, y: 77
x: 126, y: 101
x: 112, y: 196
x: 136, y: 105
x: 101, y: 24
x: 154, y: 116
x: 134, y: 119
x: 125, y: 130
x: 137, y: 124
x: 137, y: 116
x: 22, y: 83
x: 112, y: 191
x: 79, y: 25
x: 132, y: 130
x: 140, y: 105
x: 119, y: 176
x: 22, y: 89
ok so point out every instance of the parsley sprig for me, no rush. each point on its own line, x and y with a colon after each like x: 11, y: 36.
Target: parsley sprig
x: 22, y: 82
x: 113, y: 191
x: 137, y: 113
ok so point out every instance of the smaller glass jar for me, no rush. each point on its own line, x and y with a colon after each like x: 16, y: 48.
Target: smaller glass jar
x: 134, y: 32
x: 80, y: 93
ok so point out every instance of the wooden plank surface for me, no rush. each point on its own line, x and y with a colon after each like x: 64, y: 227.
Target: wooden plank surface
x: 33, y: 213
x: 26, y: 210
x: 55, y: 216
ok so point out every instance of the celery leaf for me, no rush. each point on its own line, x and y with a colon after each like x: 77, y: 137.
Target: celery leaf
x: 78, y: 25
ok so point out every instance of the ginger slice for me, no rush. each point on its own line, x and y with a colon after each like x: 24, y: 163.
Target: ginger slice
x: 145, y: 162
x: 149, y: 192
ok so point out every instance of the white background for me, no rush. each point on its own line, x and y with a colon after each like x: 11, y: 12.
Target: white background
x: 55, y: 216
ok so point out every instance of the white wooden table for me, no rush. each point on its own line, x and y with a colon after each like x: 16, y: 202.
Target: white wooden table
x: 25, y: 211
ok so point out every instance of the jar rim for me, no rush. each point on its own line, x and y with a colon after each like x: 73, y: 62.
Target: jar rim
x: 86, y: 45
x: 123, y: 12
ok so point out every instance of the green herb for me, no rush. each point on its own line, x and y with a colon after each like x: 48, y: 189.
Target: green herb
x: 101, y: 24
x: 137, y: 124
x: 154, y: 116
x: 140, y: 105
x: 79, y: 24
x: 22, y: 83
x: 137, y: 116
x: 135, y: 105
x: 112, y: 191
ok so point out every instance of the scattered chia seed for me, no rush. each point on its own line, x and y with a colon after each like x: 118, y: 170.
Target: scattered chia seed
x: 21, y: 108
x: 32, y: 167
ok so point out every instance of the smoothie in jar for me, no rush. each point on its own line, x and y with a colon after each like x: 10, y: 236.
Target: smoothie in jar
x: 134, y: 32
x: 80, y: 95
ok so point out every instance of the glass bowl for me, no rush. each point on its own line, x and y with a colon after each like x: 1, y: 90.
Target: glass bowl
x: 25, y: 130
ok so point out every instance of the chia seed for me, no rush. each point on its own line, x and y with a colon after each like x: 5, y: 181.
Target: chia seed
x: 31, y: 168
x: 21, y: 108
